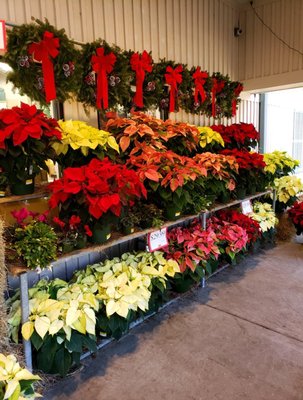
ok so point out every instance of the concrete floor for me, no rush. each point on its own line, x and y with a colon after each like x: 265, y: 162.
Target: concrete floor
x: 241, y: 338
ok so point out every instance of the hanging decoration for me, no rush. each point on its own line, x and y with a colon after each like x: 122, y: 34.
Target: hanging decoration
x: 44, y: 62
x: 199, y: 80
x: 102, y: 65
x: 46, y: 66
x: 218, y: 86
x: 140, y: 64
x: 173, y: 77
x: 118, y: 76
x: 236, y: 99
x: 43, y: 52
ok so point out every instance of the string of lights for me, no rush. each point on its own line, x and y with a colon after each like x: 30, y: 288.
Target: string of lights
x: 272, y: 32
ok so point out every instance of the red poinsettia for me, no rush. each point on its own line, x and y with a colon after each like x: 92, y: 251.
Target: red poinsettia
x: 99, y: 187
x: 233, y: 238
x: 296, y: 215
x: 21, y: 123
x: 192, y: 246
x: 251, y: 226
x: 245, y: 159
x: 238, y: 135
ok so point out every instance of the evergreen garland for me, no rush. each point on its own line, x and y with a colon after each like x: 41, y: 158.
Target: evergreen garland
x: 27, y: 75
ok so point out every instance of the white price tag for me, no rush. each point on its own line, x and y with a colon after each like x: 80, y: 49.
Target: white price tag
x: 157, y: 239
x: 2, y: 35
x: 246, y: 207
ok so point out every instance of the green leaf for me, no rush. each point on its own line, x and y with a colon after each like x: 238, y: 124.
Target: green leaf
x: 63, y: 361
x: 46, y: 354
x: 36, y: 340
x: 75, y: 343
x: 90, y: 343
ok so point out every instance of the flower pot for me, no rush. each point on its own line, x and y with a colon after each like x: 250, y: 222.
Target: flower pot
x: 127, y: 230
x: 101, y: 232
x: 21, y: 188
x: 252, y: 189
x: 224, y: 197
x: 172, y: 212
x: 241, y: 193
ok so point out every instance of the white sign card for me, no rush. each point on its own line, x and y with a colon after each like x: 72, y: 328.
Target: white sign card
x: 246, y: 207
x: 2, y: 35
x: 157, y: 239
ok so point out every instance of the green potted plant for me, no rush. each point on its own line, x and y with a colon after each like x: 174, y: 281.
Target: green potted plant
x: 129, y: 222
x: 25, y: 136
x: 33, y: 241
x: 96, y: 192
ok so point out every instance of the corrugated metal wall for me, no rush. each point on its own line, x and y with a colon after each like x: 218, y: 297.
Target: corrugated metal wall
x: 265, y: 61
x: 196, y: 32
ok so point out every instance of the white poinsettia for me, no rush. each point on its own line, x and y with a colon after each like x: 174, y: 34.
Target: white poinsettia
x: 16, y: 383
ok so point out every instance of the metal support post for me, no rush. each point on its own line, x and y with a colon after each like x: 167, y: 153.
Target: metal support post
x: 24, y: 318
x: 274, y: 199
x: 204, y: 219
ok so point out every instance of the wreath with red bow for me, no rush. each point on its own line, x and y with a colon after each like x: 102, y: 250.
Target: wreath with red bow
x: 44, y: 62
x: 106, y: 76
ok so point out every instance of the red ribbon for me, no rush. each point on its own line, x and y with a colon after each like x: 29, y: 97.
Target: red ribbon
x: 102, y: 65
x: 199, y: 79
x: 173, y: 77
x: 237, y: 92
x: 140, y: 65
x: 218, y: 86
x: 43, y: 51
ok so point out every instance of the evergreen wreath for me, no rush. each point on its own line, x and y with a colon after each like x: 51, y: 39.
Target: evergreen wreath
x: 223, y: 98
x: 27, y: 74
x: 188, y: 102
x: 184, y: 88
x: 152, y: 87
x: 118, y: 80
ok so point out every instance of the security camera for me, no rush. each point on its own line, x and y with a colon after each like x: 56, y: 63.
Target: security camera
x: 237, y: 31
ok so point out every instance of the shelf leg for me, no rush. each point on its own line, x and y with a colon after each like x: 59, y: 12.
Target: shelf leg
x: 24, y: 318
x: 204, y: 218
x: 203, y: 282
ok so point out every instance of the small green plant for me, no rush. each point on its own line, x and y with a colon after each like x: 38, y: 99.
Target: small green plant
x: 36, y: 244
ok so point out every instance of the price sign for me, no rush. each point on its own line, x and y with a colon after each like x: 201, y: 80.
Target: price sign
x: 2, y: 35
x: 157, y: 239
x: 246, y: 207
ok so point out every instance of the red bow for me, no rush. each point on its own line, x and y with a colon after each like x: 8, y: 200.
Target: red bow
x: 42, y: 52
x: 172, y: 78
x: 218, y: 86
x: 237, y: 92
x: 140, y: 65
x: 102, y: 65
x: 199, y: 79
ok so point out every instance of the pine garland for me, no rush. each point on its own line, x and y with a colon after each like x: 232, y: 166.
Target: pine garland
x: 74, y: 76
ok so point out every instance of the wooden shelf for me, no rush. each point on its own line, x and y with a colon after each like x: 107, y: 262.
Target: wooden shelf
x: 40, y: 192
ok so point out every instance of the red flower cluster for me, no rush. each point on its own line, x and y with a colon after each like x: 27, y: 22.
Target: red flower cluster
x: 192, y: 246
x: 296, y: 215
x: 251, y: 226
x: 238, y: 134
x: 100, y: 186
x: 21, y: 123
x: 73, y: 224
x: 245, y: 159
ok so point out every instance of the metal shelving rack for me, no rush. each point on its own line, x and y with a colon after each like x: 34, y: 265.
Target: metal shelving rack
x: 64, y: 267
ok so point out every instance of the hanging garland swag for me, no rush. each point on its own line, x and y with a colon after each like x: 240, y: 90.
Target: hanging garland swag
x: 44, y: 62
x: 47, y: 66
